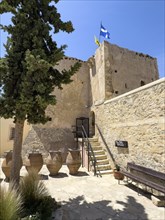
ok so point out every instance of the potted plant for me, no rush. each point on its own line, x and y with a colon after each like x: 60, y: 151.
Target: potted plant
x: 117, y: 174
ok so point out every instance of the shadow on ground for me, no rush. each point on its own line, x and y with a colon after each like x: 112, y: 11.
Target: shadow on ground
x: 43, y: 177
x: 139, y: 191
x: 103, y: 210
x: 80, y: 173
x: 59, y: 175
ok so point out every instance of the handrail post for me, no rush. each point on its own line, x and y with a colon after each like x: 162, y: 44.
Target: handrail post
x: 94, y: 167
x: 82, y: 152
x: 88, y: 157
x: 91, y: 154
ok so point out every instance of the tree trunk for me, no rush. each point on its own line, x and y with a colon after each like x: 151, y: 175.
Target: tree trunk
x: 17, y: 148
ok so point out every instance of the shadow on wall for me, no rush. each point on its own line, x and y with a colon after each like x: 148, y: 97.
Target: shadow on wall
x: 122, y: 150
x: 130, y: 209
x: 45, y: 139
x: 106, y: 145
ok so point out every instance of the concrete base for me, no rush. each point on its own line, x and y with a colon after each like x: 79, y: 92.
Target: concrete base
x: 158, y: 201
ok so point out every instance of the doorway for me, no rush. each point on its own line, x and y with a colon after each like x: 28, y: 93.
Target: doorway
x: 79, y: 122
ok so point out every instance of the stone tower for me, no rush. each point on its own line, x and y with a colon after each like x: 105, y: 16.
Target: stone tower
x: 115, y: 70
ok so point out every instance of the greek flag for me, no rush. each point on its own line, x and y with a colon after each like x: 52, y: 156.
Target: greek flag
x: 104, y: 32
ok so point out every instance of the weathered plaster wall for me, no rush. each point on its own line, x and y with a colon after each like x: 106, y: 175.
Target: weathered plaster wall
x: 137, y: 117
x: 111, y: 72
x: 115, y: 70
x: 97, y: 74
x: 72, y: 102
x: 126, y: 70
x: 45, y: 139
x: 5, y: 128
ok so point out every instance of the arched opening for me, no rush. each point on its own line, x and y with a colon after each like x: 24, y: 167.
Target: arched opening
x: 92, y: 124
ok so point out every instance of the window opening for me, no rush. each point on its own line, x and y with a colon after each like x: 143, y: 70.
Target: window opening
x: 142, y: 83
x: 12, y: 133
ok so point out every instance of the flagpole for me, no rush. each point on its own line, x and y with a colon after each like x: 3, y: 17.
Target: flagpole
x: 100, y: 29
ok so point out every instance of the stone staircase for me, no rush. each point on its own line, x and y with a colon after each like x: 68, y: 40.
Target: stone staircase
x: 102, y: 166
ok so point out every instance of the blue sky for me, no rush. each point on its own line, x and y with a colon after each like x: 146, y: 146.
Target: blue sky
x: 136, y: 25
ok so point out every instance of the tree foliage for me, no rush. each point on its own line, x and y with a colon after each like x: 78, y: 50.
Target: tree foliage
x: 27, y: 72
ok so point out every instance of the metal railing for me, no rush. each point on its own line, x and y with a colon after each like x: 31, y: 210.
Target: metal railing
x: 91, y: 155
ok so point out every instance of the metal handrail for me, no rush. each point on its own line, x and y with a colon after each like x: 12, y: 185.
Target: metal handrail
x: 90, y: 151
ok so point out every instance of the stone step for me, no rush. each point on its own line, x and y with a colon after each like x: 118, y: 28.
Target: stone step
x: 94, y: 139
x: 94, y: 143
x: 105, y: 172
x: 100, y: 157
x: 95, y: 147
x: 102, y: 162
x: 103, y: 167
x: 98, y: 152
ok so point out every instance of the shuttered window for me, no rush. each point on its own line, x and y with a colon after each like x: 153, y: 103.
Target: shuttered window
x: 12, y: 133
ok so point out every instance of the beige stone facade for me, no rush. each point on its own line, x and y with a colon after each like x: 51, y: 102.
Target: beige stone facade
x: 117, y: 89
x: 115, y: 70
x: 136, y: 117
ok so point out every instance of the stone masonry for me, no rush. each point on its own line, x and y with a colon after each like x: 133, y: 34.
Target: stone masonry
x: 136, y: 117
x: 107, y: 88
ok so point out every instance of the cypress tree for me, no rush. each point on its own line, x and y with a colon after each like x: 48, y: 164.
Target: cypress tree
x: 27, y: 71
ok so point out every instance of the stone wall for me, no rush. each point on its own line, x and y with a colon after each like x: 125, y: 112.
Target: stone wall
x: 97, y: 75
x: 115, y: 70
x: 126, y: 70
x: 73, y: 101
x: 136, y: 117
x: 111, y: 72
x: 45, y: 139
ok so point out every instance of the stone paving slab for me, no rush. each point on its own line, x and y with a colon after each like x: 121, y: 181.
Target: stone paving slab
x: 87, y: 197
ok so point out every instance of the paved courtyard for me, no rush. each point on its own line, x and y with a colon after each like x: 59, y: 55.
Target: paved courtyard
x: 86, y: 197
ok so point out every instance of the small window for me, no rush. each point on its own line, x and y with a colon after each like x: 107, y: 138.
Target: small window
x: 116, y: 92
x: 12, y: 133
x: 142, y: 83
x: 126, y: 85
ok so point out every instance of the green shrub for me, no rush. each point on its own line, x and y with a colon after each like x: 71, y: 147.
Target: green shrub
x: 35, y: 196
x: 10, y: 204
x: 32, y: 190
x: 46, y: 206
x: 36, y: 216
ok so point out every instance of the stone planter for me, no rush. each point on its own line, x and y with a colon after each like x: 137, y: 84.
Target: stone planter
x: 73, y: 161
x: 54, y: 162
x: 34, y: 162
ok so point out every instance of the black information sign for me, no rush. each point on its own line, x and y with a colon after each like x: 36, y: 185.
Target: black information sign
x: 119, y: 143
